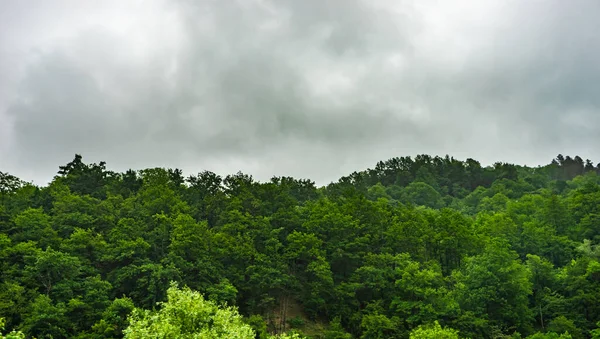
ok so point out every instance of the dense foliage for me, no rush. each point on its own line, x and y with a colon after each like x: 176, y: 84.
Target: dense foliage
x: 420, y: 248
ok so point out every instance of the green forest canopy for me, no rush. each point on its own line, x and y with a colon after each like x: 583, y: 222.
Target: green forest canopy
x: 424, y: 247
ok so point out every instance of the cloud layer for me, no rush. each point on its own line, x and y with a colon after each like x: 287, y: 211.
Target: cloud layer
x: 308, y: 88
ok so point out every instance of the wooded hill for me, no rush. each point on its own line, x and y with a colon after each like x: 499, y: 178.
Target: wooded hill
x: 490, y: 252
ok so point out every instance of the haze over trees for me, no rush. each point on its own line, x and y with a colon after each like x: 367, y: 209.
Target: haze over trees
x: 424, y: 247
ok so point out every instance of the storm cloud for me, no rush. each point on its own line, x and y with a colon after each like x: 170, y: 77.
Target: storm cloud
x: 312, y: 89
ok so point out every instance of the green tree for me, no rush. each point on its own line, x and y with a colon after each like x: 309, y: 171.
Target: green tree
x: 336, y: 331
x: 550, y: 335
x: 186, y: 314
x: 377, y: 326
x: 47, y: 320
x: 420, y: 193
x: 12, y: 334
x: 496, y: 286
x: 114, y: 319
x: 433, y: 331
x: 33, y: 224
x: 54, y: 271
x: 561, y: 324
x: 595, y: 333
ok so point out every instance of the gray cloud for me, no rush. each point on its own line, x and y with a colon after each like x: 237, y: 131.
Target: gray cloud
x: 305, y: 88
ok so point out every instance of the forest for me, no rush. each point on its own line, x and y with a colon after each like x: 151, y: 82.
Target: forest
x: 416, y: 247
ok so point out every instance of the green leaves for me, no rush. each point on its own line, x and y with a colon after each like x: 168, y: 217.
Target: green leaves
x: 489, y: 251
x: 377, y: 326
x: 433, y: 331
x: 186, y: 314
x: 420, y: 193
x: 496, y: 285
x: 9, y: 183
x: 114, y: 319
x: 404, y: 288
x: 33, y: 224
x: 47, y: 319
x: 12, y: 334
x: 54, y: 271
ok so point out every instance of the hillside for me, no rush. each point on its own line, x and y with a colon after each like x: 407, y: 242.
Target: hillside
x: 490, y: 252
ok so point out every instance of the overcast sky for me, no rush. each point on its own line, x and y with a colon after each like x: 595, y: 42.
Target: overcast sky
x: 313, y: 88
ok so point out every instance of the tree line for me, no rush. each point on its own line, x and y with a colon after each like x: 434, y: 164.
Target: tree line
x: 415, y: 247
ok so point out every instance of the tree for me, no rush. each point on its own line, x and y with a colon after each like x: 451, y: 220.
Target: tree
x: 433, y: 331
x: 114, y: 319
x: 186, y: 314
x: 34, y: 224
x: 496, y: 285
x: 420, y: 193
x: 54, y: 271
x: 561, y: 324
x: 47, y: 319
x: 9, y: 183
x: 12, y: 334
x: 206, y: 196
x: 404, y: 288
x: 336, y: 331
x: 85, y: 179
x: 550, y: 335
x: 595, y: 333
x: 377, y: 326
x: 543, y: 282
x: 189, y: 251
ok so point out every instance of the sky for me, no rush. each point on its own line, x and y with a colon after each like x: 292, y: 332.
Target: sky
x: 312, y: 89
